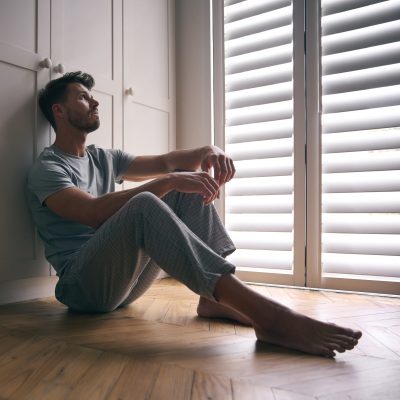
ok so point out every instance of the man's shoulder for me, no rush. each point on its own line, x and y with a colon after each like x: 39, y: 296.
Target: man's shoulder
x: 102, y: 155
x: 48, y: 154
x: 48, y: 160
x: 95, y: 150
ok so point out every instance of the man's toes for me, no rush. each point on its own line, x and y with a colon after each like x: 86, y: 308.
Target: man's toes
x: 357, y: 334
x: 346, y: 341
x: 328, y: 352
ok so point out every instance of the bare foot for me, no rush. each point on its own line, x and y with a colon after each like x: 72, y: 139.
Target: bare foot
x: 296, y: 331
x: 274, y: 323
x: 211, y: 309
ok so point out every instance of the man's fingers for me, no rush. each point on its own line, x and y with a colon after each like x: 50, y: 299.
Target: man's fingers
x: 205, y: 166
x: 232, y: 170
x: 207, y: 186
x: 224, y: 168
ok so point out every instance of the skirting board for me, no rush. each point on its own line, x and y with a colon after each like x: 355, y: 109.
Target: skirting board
x: 27, y: 289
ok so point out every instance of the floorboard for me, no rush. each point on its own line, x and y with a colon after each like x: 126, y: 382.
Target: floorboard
x: 158, y: 348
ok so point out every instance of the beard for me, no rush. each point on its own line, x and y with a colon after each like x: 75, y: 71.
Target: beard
x: 83, y: 124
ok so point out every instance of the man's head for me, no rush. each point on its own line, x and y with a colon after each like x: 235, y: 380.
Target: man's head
x: 69, y: 98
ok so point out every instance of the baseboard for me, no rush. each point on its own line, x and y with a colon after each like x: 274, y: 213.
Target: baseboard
x: 27, y: 289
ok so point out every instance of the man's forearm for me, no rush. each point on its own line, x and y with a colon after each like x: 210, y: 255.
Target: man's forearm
x: 186, y: 160
x: 107, y: 205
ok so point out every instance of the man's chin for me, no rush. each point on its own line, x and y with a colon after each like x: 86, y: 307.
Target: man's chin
x: 93, y: 127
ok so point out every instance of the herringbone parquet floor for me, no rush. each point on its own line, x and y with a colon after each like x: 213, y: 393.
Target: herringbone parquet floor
x: 158, y: 349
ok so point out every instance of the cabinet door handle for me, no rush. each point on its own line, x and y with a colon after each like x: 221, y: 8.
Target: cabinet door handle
x: 59, y: 68
x: 46, y: 63
x: 130, y: 91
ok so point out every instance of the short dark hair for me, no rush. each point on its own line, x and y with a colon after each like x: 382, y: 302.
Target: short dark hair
x: 56, y: 92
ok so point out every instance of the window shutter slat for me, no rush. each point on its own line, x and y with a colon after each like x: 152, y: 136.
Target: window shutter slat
x: 362, y: 99
x: 361, y: 265
x: 388, y: 245
x: 259, y: 95
x: 258, y: 41
x: 259, y: 204
x: 381, y: 202
x: 258, y: 59
x: 338, y: 6
x: 353, y: 182
x: 260, y: 77
x: 261, y: 149
x: 361, y: 161
x: 370, y: 15
x: 362, y: 223
x: 259, y: 132
x: 342, y: 142
x: 261, y: 186
x: 370, y: 78
x: 263, y: 259
x: 246, y: 9
x: 387, y: 117
x: 280, y: 241
x: 258, y: 23
x: 361, y: 38
x: 259, y: 113
x: 259, y: 222
x: 282, y: 166
x: 356, y: 60
x: 252, y: 132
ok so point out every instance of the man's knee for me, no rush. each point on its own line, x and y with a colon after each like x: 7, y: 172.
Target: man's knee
x: 146, y: 203
x: 145, y: 199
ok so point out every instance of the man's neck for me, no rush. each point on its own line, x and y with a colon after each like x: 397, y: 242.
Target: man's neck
x: 75, y: 145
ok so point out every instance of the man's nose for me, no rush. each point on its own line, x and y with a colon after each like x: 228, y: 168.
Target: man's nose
x: 95, y: 103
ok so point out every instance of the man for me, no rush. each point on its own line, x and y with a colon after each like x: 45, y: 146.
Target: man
x: 108, y: 247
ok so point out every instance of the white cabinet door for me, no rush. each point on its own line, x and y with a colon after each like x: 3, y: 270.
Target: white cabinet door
x: 24, y: 44
x: 148, y: 54
x: 87, y: 36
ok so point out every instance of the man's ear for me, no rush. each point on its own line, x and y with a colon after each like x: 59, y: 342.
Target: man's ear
x: 58, y: 110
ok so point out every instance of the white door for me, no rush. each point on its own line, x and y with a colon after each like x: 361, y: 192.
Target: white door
x: 86, y: 36
x: 148, y: 37
x: 24, y: 44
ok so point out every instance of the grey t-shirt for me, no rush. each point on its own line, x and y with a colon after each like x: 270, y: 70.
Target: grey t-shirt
x: 96, y: 173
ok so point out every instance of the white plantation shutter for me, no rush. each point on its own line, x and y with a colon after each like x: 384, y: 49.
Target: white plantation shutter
x: 360, y: 139
x: 259, y: 132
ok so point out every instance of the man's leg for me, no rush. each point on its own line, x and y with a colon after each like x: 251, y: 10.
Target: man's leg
x: 107, y: 268
x: 203, y: 221
x: 112, y: 263
x: 274, y: 323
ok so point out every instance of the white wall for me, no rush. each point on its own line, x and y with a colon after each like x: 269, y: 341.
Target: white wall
x: 193, y: 73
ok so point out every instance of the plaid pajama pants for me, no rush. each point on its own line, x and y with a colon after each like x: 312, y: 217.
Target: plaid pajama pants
x: 177, y: 233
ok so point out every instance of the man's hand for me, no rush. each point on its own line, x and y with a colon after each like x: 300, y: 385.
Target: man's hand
x: 215, y: 158
x: 195, y: 182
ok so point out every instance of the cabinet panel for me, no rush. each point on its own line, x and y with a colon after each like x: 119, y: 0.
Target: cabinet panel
x: 83, y: 33
x: 149, y: 120
x: 146, y: 47
x: 147, y: 131
x: 18, y: 23
x: 96, y: 26
x: 21, y: 255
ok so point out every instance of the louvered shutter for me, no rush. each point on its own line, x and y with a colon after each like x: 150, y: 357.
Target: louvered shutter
x: 360, y: 138
x: 259, y: 132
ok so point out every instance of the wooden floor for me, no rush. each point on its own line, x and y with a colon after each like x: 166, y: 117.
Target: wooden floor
x: 158, y: 349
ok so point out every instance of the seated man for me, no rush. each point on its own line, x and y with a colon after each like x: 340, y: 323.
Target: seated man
x: 108, y: 247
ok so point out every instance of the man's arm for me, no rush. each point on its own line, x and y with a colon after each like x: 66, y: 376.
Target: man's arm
x: 79, y: 206
x: 202, y: 158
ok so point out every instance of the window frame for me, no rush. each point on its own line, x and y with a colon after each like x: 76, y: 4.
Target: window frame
x: 307, y: 271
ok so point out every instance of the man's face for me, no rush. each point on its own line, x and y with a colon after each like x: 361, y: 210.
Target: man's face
x: 81, y: 108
